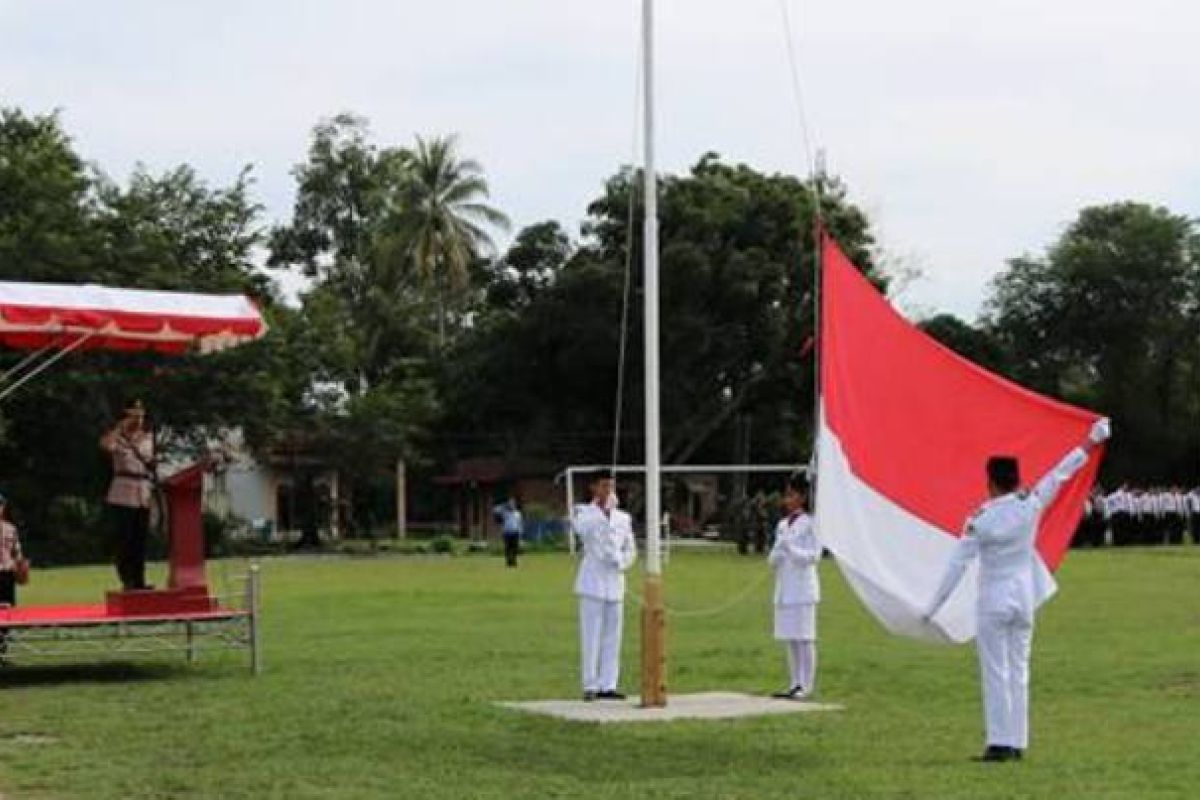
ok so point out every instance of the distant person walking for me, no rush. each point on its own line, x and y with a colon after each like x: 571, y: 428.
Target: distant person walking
x: 508, y: 514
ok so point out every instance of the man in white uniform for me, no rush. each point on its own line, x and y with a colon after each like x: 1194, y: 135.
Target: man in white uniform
x: 606, y: 534
x: 1002, y: 534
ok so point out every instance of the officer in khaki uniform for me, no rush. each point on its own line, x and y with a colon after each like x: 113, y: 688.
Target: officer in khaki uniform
x: 131, y: 448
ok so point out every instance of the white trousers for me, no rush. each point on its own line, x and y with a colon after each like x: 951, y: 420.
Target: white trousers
x: 1003, y: 641
x: 600, y: 643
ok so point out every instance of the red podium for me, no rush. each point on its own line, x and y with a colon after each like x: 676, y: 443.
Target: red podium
x: 187, y: 585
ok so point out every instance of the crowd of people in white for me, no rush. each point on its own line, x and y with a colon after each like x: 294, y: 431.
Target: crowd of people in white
x: 1129, y: 516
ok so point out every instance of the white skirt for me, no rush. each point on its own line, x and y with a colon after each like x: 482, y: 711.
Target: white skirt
x: 798, y: 622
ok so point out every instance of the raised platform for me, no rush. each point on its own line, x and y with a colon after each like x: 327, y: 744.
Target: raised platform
x: 130, y: 624
x: 704, y: 705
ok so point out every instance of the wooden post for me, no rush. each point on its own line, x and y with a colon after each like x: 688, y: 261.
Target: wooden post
x: 401, y: 500
x: 335, y: 492
x: 654, y: 649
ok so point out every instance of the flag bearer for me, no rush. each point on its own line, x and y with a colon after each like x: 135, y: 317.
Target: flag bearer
x: 606, y: 533
x: 794, y: 557
x: 1002, y: 535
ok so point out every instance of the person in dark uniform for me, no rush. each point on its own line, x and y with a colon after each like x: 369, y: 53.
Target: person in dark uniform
x: 131, y: 447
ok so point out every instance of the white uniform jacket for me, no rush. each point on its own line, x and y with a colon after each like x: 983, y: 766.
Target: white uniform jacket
x: 794, y: 557
x: 608, y: 550
x: 1002, y: 535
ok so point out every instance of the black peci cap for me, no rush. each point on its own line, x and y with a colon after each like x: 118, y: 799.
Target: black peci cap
x: 603, y: 474
x: 1004, y: 472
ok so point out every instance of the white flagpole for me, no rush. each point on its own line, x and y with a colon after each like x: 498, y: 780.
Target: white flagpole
x: 653, y: 615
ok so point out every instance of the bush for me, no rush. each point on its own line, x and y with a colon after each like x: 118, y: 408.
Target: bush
x: 443, y: 544
x: 220, y: 532
x: 75, y: 531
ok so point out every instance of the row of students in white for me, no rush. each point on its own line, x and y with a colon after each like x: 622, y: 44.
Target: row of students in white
x: 1145, y: 502
x: 1001, y: 535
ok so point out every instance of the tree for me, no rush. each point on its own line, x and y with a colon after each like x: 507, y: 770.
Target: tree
x: 737, y: 266
x: 440, y: 222
x: 390, y: 236
x: 1107, y: 318
x: 45, y: 201
x: 531, y: 266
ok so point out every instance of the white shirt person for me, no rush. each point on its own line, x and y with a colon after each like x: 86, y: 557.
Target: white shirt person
x: 609, y: 549
x: 794, y: 558
x: 1002, y: 534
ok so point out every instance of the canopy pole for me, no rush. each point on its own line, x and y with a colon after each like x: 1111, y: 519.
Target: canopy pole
x: 26, y: 361
x: 654, y: 689
x: 45, y: 365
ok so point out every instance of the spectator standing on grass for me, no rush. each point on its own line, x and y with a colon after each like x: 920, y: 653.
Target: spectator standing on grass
x: 508, y: 514
x: 1193, y: 499
x: 13, y: 567
x: 11, y: 559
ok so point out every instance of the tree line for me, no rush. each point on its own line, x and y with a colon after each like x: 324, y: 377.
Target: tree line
x: 418, y: 339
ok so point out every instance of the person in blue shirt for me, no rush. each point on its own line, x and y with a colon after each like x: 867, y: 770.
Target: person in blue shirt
x: 508, y: 514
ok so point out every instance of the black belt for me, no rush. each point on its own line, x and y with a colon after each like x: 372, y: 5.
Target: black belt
x: 134, y: 475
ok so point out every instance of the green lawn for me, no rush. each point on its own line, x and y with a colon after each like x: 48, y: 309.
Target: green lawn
x: 381, y: 675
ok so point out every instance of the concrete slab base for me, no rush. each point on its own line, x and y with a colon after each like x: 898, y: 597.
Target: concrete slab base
x: 704, y: 705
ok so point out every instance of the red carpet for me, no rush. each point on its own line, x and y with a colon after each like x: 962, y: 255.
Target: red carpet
x: 97, y: 614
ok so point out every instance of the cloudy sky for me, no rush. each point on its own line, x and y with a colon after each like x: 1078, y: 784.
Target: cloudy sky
x: 971, y: 132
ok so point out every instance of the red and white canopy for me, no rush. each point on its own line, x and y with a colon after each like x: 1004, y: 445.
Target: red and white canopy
x: 37, y: 315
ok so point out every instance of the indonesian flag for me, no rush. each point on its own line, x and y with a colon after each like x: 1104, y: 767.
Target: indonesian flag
x: 905, y: 429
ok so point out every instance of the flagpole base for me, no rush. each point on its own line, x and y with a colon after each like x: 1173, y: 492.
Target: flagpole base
x: 654, y: 651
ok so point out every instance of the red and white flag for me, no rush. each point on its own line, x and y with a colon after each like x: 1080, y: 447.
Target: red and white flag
x: 905, y: 429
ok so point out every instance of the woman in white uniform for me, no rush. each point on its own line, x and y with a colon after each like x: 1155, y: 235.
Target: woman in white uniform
x: 794, y: 557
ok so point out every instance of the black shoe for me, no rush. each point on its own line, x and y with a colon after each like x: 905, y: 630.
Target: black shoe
x: 589, y: 697
x: 793, y: 693
x: 996, y: 753
x: 1017, y: 754
x: 610, y: 696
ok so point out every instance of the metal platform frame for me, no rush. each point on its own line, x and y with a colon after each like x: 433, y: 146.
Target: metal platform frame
x: 235, y: 625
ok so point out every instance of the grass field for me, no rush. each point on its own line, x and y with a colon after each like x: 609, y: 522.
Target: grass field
x: 381, y: 676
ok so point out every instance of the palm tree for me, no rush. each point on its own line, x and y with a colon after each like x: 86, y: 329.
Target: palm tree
x: 443, y: 220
